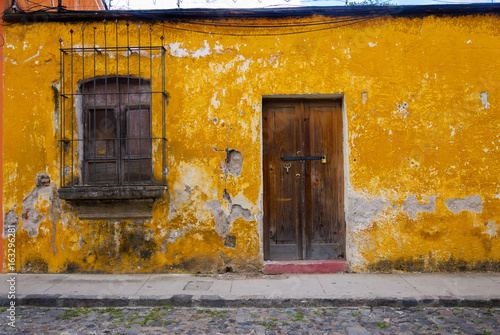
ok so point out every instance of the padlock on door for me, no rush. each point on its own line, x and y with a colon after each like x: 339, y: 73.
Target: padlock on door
x: 323, y: 159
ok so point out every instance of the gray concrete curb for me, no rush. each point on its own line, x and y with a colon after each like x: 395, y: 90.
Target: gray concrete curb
x: 214, y: 301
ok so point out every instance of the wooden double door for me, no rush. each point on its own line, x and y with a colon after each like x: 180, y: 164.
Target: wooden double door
x: 303, y: 179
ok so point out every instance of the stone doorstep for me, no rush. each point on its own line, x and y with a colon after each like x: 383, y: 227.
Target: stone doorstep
x: 305, y: 266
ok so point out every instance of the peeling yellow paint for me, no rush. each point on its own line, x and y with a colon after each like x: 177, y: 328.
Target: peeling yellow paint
x: 421, y: 98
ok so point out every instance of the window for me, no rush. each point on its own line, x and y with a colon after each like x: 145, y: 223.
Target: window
x: 112, y: 121
x: 117, y: 131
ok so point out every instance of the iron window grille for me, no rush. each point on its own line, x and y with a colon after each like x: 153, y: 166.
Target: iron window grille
x: 112, y: 110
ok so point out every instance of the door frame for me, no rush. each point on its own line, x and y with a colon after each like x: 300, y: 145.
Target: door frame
x: 345, y: 155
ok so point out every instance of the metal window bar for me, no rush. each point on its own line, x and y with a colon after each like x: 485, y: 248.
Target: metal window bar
x: 128, y: 99
x: 72, y: 141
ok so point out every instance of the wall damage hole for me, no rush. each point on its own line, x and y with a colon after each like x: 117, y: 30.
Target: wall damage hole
x: 230, y: 242
x: 234, y: 162
x: 42, y: 179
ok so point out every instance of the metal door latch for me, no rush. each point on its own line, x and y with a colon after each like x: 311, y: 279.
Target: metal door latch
x: 287, y: 166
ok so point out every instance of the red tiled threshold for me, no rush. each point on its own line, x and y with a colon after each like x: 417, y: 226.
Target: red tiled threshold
x: 320, y: 266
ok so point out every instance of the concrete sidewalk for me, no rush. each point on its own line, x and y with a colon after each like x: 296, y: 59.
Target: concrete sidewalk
x: 239, y: 290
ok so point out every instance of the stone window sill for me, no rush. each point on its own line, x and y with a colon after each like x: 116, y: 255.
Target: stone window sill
x: 112, y: 202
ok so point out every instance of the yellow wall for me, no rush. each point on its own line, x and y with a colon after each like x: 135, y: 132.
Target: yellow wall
x: 421, y: 98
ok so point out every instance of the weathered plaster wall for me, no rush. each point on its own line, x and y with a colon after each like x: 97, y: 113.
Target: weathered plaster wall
x: 422, y: 162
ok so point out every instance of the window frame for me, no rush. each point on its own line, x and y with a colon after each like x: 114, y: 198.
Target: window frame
x: 123, y: 88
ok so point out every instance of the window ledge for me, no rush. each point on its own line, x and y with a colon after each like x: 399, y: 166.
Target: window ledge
x: 112, y: 202
x: 111, y: 192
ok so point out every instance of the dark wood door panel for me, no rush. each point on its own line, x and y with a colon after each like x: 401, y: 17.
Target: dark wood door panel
x: 303, y: 200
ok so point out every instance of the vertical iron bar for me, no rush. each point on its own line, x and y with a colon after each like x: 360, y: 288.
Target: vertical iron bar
x: 63, y: 106
x: 163, y: 134
x: 72, y: 114
x: 151, y: 104
x: 126, y: 138
x: 61, y: 110
x: 140, y: 110
x: 86, y: 128
x: 105, y: 106
x: 117, y: 115
x: 95, y: 116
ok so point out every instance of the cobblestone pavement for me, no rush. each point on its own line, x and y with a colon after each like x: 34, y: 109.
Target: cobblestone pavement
x: 198, y: 321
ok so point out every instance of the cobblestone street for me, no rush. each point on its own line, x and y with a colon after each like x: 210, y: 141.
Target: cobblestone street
x: 169, y: 320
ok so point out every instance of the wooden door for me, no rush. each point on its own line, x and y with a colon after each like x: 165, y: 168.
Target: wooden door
x: 303, y: 195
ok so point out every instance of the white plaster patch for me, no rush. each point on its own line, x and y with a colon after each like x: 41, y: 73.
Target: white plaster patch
x: 469, y: 42
x: 214, y: 101
x: 472, y: 203
x: 364, y: 97
x: 176, y: 50
x: 371, y: 44
x: 202, y: 52
x: 484, y: 100
x: 245, y: 66
x: 36, y: 55
x: 10, y: 46
x: 411, y: 206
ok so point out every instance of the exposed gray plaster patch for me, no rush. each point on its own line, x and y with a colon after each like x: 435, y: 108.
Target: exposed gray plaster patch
x: 492, y: 228
x: 173, y: 235
x: 172, y: 209
x: 484, y: 99
x: 260, y: 218
x: 237, y: 211
x: 31, y: 217
x: 187, y: 189
x: 10, y: 220
x: 228, y: 263
x: 234, y: 162
x: 55, y: 214
x: 227, y: 197
x: 361, y: 211
x: 412, y: 207
x: 223, y: 221
x: 473, y: 203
